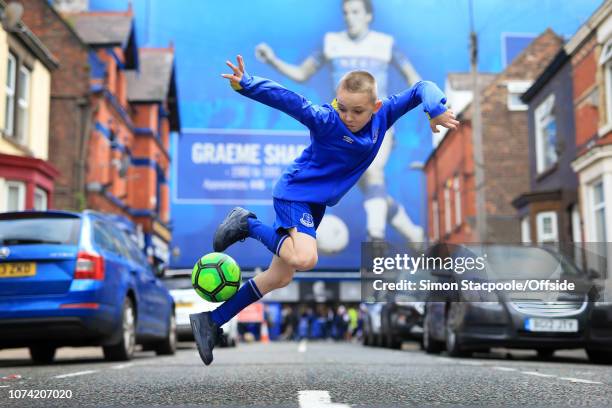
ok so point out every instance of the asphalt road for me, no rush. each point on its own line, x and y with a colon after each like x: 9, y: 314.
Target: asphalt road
x: 309, y: 375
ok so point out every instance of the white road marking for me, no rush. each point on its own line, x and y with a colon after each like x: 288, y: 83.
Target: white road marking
x: 3, y: 386
x: 580, y: 380
x: 302, y: 346
x: 76, y: 374
x: 503, y: 368
x: 317, y: 399
x: 120, y: 366
x: 537, y: 374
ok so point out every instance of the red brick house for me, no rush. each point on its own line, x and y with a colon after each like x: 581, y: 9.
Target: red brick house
x: 449, y: 169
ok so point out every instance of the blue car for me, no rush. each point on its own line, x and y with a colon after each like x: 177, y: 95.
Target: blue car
x: 76, y: 279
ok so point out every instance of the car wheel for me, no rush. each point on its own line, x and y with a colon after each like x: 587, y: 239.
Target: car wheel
x: 599, y: 356
x: 167, y: 346
x: 365, y: 336
x: 545, y: 354
x: 124, y: 349
x: 430, y: 345
x: 453, y: 345
x: 391, y: 341
x: 42, y: 354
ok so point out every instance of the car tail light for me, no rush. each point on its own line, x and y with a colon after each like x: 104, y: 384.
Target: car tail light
x: 89, y: 266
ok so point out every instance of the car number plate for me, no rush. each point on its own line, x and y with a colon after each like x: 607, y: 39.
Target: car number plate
x: 552, y: 325
x: 17, y: 269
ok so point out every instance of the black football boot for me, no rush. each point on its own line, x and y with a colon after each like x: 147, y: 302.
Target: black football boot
x: 206, y: 333
x: 234, y: 228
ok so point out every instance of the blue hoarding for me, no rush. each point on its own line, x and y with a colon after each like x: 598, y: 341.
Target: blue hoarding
x: 232, y: 149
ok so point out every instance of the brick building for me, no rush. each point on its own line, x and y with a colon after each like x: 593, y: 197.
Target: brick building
x: 590, y: 52
x: 152, y: 94
x: 112, y: 116
x: 26, y: 176
x: 71, y: 107
x: 449, y: 168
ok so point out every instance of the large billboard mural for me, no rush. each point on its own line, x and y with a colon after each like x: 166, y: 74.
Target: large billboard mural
x: 232, y: 150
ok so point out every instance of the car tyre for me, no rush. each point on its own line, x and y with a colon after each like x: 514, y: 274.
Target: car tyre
x: 545, y: 354
x: 167, y: 346
x: 599, y: 356
x: 453, y: 344
x: 42, y: 354
x: 124, y: 349
x: 430, y: 345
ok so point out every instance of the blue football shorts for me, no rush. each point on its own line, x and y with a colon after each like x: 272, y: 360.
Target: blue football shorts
x: 306, y: 217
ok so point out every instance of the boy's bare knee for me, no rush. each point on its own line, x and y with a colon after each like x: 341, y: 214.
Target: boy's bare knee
x: 304, y: 262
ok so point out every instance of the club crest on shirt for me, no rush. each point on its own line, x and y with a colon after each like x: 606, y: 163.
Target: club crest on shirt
x: 307, y: 220
x: 347, y: 139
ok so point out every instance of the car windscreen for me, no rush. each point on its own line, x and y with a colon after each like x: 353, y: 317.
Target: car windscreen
x: 516, y: 262
x: 183, y: 282
x: 39, y: 230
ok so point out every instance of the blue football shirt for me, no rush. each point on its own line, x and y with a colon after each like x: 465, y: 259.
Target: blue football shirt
x: 336, y: 157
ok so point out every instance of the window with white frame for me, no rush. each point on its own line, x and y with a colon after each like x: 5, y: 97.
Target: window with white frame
x: 456, y: 188
x: 598, y: 211
x: 525, y: 230
x: 606, y: 60
x: 40, y: 199
x: 515, y: 90
x: 10, y: 89
x: 15, y: 196
x: 546, y: 134
x: 547, y: 227
x: 436, y: 220
x: 23, y: 104
x: 447, y: 210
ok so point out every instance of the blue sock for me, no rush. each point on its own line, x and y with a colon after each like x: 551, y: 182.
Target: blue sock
x: 266, y: 235
x: 246, y: 295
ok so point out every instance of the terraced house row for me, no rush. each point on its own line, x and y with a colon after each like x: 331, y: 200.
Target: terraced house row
x: 87, y: 117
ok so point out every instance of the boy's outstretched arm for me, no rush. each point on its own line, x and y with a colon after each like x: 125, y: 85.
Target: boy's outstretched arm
x: 276, y: 96
x: 433, y: 100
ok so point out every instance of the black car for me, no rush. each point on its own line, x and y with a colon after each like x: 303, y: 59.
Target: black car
x: 545, y: 320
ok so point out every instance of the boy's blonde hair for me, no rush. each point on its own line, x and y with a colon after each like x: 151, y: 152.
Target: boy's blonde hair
x: 360, y: 81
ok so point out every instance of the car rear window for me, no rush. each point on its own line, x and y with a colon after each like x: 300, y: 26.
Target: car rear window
x: 40, y: 230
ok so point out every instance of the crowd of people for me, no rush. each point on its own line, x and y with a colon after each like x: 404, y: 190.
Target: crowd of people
x: 321, y: 321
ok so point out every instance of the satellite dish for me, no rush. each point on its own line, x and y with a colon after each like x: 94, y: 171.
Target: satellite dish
x: 12, y: 16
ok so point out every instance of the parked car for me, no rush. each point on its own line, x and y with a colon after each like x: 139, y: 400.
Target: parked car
x: 187, y: 302
x: 393, y: 318
x: 546, y: 320
x: 75, y: 279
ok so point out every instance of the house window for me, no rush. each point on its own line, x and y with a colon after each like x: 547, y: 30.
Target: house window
x: 515, y: 90
x: 40, y: 199
x: 547, y: 227
x: 606, y: 60
x: 525, y: 230
x: 598, y: 208
x: 15, y: 196
x: 456, y: 187
x: 436, y: 220
x: 10, y: 88
x: 23, y: 104
x: 546, y: 134
x: 447, y: 210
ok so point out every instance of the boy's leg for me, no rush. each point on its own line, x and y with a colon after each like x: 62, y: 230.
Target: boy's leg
x: 206, y: 325
x: 299, y: 250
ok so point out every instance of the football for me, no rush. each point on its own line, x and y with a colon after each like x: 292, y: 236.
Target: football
x: 216, y: 277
